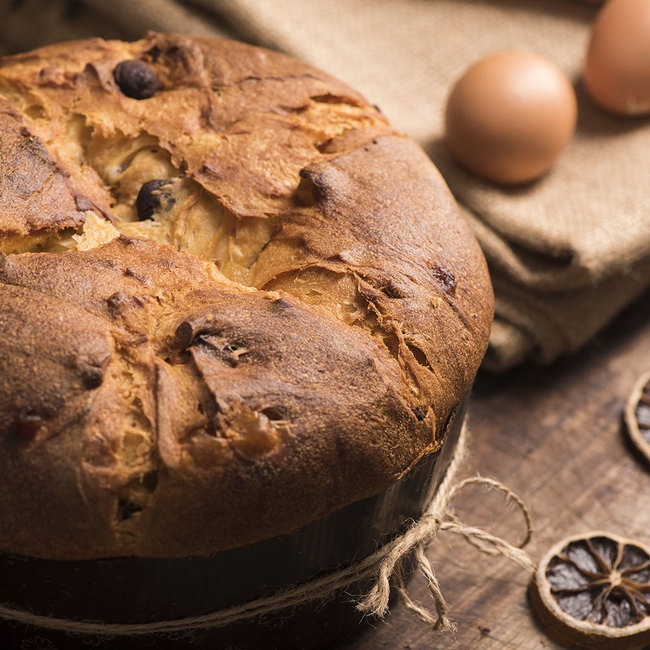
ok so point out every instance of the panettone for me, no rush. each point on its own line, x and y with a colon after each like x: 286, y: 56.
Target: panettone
x: 232, y: 299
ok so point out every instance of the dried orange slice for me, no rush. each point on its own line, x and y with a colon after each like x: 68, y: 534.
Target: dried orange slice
x: 637, y: 415
x: 593, y: 591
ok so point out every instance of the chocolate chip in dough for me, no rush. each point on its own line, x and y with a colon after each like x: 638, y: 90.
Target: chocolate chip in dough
x: 28, y: 426
x: 136, y: 79
x: 153, y: 195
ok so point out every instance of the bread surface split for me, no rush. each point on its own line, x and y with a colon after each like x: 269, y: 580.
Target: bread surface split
x: 232, y: 298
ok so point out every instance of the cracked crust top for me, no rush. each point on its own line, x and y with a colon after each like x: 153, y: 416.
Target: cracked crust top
x: 232, y: 298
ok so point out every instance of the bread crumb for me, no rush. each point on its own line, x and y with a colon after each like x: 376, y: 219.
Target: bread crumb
x: 97, y: 231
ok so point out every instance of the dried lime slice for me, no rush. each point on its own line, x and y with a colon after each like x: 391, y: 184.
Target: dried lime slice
x: 593, y: 590
x: 637, y: 415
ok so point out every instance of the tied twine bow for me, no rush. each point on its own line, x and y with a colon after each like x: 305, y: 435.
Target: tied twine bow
x: 387, y: 565
x: 415, y: 541
x: 439, y: 517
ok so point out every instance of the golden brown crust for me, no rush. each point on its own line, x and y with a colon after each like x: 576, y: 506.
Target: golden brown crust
x: 37, y: 194
x: 279, y: 325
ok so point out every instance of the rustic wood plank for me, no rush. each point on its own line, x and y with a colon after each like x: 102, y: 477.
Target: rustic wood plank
x: 555, y: 436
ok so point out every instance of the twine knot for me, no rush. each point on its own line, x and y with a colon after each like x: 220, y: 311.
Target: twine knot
x: 415, y: 540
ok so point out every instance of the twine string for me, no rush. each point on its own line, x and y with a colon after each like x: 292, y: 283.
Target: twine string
x: 439, y: 517
x: 439, y: 620
x: 387, y: 566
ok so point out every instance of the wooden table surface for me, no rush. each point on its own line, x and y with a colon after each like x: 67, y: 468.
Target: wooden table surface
x: 554, y: 435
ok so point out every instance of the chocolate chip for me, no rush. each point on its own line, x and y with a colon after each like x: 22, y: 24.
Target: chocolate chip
x: 446, y: 279
x: 92, y: 375
x: 27, y: 426
x: 136, y: 79
x: 184, y: 335
x: 419, y: 413
x: 153, y: 195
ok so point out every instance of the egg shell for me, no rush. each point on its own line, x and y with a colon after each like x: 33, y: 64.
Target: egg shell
x: 617, y: 67
x: 509, y: 116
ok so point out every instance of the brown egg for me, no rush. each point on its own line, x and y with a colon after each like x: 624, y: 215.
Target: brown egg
x: 509, y: 116
x: 617, y: 70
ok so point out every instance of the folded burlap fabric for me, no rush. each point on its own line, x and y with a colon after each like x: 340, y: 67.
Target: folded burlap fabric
x: 567, y: 252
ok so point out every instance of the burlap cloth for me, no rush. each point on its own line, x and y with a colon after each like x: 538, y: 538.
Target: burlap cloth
x: 567, y: 252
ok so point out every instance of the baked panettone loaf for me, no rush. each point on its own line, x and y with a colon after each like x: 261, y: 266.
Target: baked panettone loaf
x: 232, y: 299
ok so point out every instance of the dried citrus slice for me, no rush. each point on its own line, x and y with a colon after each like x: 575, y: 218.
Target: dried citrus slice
x: 593, y: 591
x: 637, y: 415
